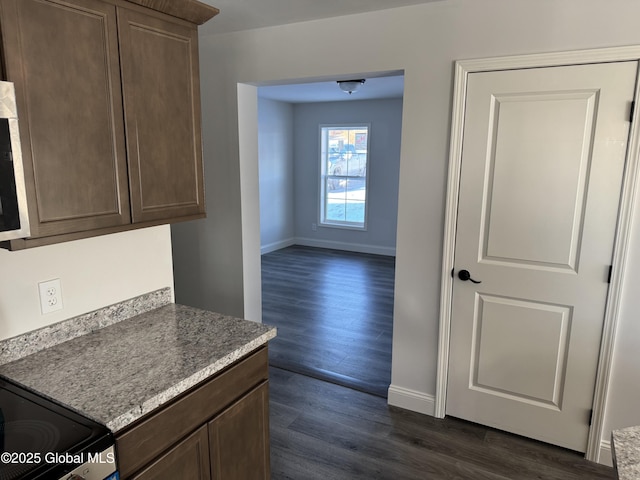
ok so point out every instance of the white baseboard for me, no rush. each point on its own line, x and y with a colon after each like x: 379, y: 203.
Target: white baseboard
x: 411, y: 400
x: 350, y: 247
x: 605, y: 457
x: 272, y: 247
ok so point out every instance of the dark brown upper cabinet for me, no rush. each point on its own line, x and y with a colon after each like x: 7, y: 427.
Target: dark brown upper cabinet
x: 159, y: 65
x: 109, y: 108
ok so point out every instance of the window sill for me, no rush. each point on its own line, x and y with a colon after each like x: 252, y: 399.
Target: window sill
x: 343, y: 226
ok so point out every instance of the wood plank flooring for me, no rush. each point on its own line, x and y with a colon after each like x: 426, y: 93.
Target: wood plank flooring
x: 325, y: 431
x: 334, y: 313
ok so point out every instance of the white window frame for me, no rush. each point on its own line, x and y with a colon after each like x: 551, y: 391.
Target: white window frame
x: 322, y: 187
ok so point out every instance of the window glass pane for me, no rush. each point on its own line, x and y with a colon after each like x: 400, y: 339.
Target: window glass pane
x: 355, y: 200
x: 344, y: 159
x: 335, y: 202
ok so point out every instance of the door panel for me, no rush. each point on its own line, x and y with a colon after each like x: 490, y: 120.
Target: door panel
x: 542, y: 163
x: 525, y: 176
x: 537, y: 349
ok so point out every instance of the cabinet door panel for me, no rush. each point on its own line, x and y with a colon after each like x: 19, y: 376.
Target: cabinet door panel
x: 239, y: 439
x: 162, y: 116
x: 188, y: 459
x: 63, y: 58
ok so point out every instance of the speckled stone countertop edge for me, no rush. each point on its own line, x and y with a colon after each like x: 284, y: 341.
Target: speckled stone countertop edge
x: 171, y: 393
x: 625, y: 444
x: 26, y: 344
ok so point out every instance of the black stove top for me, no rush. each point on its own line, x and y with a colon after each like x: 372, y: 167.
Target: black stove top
x: 39, y: 438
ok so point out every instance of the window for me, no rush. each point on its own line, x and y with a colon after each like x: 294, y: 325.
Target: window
x: 344, y: 154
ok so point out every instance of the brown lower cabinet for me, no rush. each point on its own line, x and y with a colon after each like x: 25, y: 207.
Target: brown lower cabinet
x: 188, y: 459
x: 219, y: 430
x: 239, y: 438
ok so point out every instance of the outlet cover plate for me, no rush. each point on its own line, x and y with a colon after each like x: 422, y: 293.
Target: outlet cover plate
x: 50, y: 296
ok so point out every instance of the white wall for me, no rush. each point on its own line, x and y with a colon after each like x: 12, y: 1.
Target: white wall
x: 424, y: 41
x: 275, y: 153
x: 385, y: 117
x: 94, y: 273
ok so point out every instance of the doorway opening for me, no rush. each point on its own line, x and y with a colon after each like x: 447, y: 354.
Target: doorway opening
x: 329, y: 286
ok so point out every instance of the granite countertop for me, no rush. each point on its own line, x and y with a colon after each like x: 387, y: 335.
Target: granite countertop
x: 118, y: 373
x: 626, y: 452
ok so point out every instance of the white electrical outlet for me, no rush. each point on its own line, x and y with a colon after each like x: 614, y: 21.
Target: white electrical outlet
x: 314, y: 227
x: 50, y: 296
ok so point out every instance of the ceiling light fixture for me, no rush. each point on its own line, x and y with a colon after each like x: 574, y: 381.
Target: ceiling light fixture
x: 350, y: 86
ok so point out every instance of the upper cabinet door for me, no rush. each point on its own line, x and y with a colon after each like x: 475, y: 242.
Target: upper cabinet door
x: 159, y: 62
x: 63, y: 58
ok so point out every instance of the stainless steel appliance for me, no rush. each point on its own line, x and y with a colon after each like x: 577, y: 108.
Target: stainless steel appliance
x: 14, y: 219
x: 41, y: 439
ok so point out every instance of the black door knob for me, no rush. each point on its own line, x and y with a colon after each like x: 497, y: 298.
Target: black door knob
x: 464, y: 275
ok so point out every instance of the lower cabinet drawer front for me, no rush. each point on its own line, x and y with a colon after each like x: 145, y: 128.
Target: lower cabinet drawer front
x: 152, y: 435
x: 189, y: 459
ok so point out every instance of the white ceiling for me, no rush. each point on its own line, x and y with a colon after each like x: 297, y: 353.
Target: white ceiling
x: 247, y: 14
x: 373, y: 88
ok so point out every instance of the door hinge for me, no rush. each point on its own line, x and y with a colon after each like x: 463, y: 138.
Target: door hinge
x: 590, y: 416
x: 632, y: 110
x: 610, y: 274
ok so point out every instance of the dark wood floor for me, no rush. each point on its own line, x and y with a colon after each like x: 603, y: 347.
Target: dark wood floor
x: 334, y: 313
x: 325, y: 431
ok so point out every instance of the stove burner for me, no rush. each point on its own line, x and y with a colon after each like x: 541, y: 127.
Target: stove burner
x: 14, y: 471
x: 22, y: 436
x: 30, y: 435
x: 32, y: 428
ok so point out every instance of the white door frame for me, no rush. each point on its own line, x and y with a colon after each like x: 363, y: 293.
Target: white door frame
x: 621, y: 246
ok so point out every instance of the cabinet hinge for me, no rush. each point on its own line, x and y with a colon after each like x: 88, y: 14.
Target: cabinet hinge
x: 610, y: 274
x: 632, y: 110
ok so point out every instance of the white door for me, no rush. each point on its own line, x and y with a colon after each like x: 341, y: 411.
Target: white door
x: 542, y: 162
